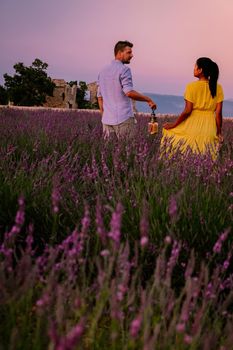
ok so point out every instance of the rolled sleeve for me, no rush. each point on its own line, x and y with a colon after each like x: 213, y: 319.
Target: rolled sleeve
x: 188, y: 95
x: 220, y: 94
x: 126, y: 80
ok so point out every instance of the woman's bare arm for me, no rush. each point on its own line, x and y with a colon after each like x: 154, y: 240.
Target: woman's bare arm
x: 184, y: 115
x: 219, y: 118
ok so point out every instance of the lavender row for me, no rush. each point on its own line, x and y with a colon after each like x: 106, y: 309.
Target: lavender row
x: 67, y: 298
x: 106, y: 244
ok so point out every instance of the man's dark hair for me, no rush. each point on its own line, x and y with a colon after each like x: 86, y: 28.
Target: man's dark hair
x: 120, y: 45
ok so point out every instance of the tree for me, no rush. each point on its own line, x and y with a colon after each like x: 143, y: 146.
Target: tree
x: 30, y: 85
x: 81, y: 94
x: 73, y: 82
x: 3, y: 96
x: 81, y: 97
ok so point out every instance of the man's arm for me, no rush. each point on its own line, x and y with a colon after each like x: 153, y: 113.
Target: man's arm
x: 99, y: 96
x: 101, y: 104
x: 139, y: 97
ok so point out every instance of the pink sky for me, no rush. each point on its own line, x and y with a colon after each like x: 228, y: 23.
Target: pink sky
x: 76, y: 38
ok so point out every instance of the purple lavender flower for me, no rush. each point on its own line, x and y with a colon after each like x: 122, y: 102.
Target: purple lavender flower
x: 105, y: 252
x: 135, y: 326
x: 86, y: 220
x: 180, y: 327
x: 100, y: 223
x: 72, y: 338
x: 144, y: 227
x: 172, y: 261
x: 168, y: 239
x: 226, y: 264
x: 218, y: 245
x: 9, y: 238
x: 43, y: 301
x: 29, y: 240
x: 144, y: 241
x: 172, y: 208
x: 56, y: 197
x: 188, y: 339
x: 69, y: 341
x: 115, y: 233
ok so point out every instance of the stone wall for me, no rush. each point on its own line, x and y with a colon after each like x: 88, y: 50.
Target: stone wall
x: 92, y: 87
x: 64, y: 96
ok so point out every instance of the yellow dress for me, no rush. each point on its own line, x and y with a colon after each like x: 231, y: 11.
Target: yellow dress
x: 198, y: 131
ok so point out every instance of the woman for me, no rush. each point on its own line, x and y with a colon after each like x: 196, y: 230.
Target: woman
x: 199, y: 125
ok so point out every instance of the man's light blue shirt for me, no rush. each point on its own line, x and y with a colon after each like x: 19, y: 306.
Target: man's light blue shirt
x: 114, y: 81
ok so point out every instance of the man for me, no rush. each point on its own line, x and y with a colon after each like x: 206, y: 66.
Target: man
x: 115, y: 91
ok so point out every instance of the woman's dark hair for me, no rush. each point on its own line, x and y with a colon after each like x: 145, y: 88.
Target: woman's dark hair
x: 210, y: 71
x: 120, y: 45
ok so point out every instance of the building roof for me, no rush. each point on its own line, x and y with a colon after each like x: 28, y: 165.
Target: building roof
x: 59, y: 82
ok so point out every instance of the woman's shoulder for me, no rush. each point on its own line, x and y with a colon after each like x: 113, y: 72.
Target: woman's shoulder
x: 193, y: 85
x: 194, y: 82
x: 219, y: 86
x: 197, y: 83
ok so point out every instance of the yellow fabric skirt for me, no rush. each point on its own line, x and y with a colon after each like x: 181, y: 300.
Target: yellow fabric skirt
x: 197, y: 132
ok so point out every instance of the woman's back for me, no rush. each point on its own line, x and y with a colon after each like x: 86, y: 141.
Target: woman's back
x: 199, y: 126
x: 198, y: 93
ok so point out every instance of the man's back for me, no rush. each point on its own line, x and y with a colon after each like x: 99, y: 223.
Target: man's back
x: 114, y: 81
x: 115, y: 93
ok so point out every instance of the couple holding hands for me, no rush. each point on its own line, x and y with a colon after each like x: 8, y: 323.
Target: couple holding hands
x: 199, y: 125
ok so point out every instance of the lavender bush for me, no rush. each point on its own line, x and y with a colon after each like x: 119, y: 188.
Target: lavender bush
x: 106, y: 244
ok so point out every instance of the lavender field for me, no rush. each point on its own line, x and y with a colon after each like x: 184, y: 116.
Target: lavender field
x: 108, y: 245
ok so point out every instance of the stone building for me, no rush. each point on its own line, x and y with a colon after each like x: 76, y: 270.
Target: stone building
x: 64, y: 95
x: 92, y: 88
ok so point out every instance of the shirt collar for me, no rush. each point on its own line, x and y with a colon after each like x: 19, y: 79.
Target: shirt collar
x: 117, y: 62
